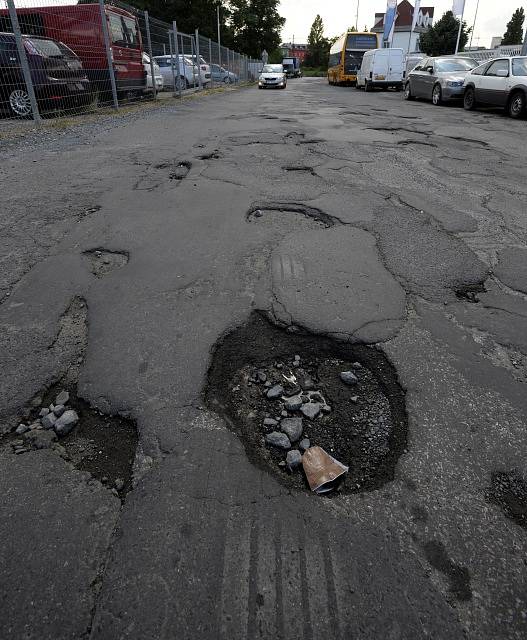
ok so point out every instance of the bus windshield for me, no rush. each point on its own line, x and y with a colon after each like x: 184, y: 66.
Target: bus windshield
x: 361, y: 41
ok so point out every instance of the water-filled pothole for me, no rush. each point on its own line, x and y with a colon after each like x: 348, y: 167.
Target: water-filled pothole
x: 360, y: 423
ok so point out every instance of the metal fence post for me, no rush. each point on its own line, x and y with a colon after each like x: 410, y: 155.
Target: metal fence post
x: 198, y: 61
x: 149, y: 42
x: 179, y: 63
x: 108, y: 48
x: 228, y: 68
x: 192, y: 54
x: 210, y: 63
x: 170, y: 36
x: 23, y: 62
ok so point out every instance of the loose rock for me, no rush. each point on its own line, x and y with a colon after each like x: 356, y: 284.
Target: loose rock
x: 304, y: 444
x: 293, y: 459
x: 59, y: 410
x: 292, y: 427
x: 49, y: 420
x: 310, y: 410
x: 43, y: 412
x: 293, y: 404
x: 277, y: 439
x: 270, y: 422
x: 349, y: 378
x: 40, y: 439
x: 262, y: 376
x: 66, y: 422
x: 22, y: 428
x: 62, y: 398
x: 354, y: 399
x: 275, y: 392
x: 119, y: 484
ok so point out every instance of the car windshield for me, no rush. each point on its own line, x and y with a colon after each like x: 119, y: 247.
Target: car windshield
x: 51, y: 49
x: 273, y: 68
x: 459, y: 64
x: 519, y: 66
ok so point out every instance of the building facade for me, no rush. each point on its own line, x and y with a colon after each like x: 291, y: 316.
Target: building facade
x: 403, y: 26
x: 294, y: 50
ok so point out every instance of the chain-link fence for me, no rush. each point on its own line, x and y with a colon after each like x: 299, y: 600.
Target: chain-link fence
x: 63, y: 59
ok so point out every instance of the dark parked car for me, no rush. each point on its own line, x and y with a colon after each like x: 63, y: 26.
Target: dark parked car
x: 438, y: 79
x: 58, y: 76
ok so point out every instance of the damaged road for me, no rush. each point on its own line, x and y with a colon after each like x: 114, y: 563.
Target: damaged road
x: 363, y: 254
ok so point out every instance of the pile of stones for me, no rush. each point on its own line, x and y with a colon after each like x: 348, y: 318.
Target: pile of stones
x: 54, y: 421
x: 296, y: 401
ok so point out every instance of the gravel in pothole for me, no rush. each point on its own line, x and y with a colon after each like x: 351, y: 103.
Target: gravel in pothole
x: 91, y: 441
x: 284, y: 393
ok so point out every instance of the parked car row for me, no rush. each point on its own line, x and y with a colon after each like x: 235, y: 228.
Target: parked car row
x: 500, y: 82
x: 68, y: 60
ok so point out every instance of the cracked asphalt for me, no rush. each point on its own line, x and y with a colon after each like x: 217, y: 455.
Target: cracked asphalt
x: 376, y: 217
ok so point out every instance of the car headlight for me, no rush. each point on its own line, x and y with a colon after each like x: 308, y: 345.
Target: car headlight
x: 454, y: 83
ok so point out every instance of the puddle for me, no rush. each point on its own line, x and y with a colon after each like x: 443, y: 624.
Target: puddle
x: 364, y: 426
x: 103, y: 261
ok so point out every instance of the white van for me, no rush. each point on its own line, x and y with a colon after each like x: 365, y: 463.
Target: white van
x: 381, y: 68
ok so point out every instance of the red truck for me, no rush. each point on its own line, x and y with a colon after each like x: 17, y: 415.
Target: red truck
x: 80, y: 28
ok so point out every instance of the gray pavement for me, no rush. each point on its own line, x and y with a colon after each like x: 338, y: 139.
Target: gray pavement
x: 401, y: 225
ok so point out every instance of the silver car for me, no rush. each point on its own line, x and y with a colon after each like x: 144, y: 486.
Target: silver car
x: 438, y: 79
x: 272, y: 76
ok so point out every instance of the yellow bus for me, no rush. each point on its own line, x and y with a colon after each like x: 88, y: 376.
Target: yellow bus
x: 345, y: 56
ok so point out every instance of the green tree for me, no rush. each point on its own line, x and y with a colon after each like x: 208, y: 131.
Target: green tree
x: 440, y: 39
x: 256, y: 25
x: 317, y: 45
x: 514, y: 33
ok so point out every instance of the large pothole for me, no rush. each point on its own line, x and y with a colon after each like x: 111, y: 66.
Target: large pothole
x: 288, y: 212
x: 362, y: 425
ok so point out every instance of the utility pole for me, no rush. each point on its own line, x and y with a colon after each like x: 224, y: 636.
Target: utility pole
x: 524, y: 48
x: 357, y: 16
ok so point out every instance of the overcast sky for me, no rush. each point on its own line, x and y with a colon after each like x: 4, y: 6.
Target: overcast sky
x: 493, y: 16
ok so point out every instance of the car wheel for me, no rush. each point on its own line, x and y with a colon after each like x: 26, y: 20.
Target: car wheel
x: 367, y: 86
x: 19, y: 103
x: 408, y: 92
x: 436, y: 95
x: 469, y: 99
x: 516, y: 105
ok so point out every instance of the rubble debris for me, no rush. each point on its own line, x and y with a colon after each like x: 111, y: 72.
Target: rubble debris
x: 311, y: 410
x: 49, y: 420
x: 293, y: 404
x: 277, y: 439
x: 66, y: 422
x: 293, y: 460
x: 304, y: 445
x: 275, y: 392
x: 270, y: 422
x: 323, y: 472
x: 293, y: 427
x: 62, y: 398
x: 349, y: 378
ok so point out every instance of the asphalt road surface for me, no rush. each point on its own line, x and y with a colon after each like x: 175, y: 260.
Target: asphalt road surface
x: 130, y: 248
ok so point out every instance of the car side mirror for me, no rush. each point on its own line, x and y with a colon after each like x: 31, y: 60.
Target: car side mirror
x: 502, y: 73
x: 430, y: 69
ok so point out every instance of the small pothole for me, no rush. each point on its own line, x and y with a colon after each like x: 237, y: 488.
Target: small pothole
x: 266, y: 211
x: 470, y: 292
x: 103, y: 261
x: 213, y: 155
x: 363, y: 425
x: 299, y: 169
x: 181, y: 170
x: 100, y: 444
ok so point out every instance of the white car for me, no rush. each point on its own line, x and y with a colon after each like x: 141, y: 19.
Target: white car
x: 187, y: 76
x: 500, y: 82
x: 204, y: 69
x: 272, y: 76
x: 157, y: 74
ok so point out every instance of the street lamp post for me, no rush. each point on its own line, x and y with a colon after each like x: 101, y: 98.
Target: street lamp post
x: 357, y: 17
x: 474, y: 25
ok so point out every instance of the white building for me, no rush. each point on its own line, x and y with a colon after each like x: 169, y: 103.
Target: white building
x: 403, y: 26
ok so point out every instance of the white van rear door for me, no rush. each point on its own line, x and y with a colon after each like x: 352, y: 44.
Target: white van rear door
x: 395, y: 65
x: 380, y: 66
